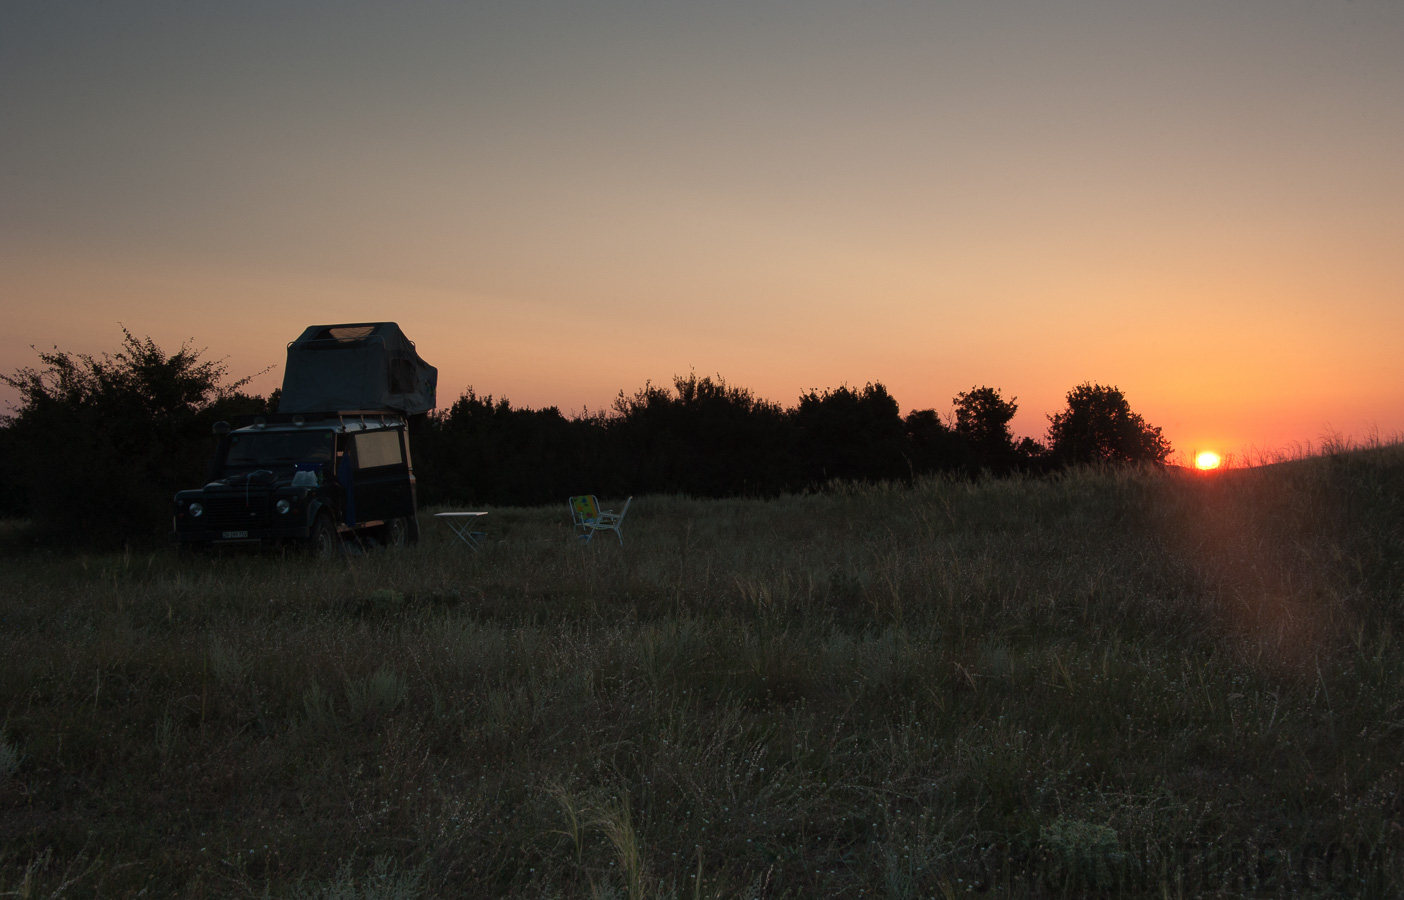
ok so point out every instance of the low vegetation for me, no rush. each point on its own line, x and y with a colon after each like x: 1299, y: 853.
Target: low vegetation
x: 1117, y: 682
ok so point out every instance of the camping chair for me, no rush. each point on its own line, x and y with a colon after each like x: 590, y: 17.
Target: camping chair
x: 588, y: 518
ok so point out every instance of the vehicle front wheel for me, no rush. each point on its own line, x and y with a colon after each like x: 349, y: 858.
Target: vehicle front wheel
x: 324, y: 542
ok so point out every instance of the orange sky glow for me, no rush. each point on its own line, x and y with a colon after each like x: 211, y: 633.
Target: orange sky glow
x: 1201, y: 204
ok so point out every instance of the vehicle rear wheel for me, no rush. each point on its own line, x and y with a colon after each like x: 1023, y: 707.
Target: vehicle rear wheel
x: 395, y: 533
x: 324, y: 542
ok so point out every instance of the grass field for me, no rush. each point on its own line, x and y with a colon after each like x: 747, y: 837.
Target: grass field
x: 1113, y: 683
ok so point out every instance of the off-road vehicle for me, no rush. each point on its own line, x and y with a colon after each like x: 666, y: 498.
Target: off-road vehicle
x: 333, y: 462
x: 305, y: 480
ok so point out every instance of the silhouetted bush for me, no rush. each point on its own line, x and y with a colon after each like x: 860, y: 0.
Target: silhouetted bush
x: 98, y: 446
x: 932, y: 445
x: 482, y: 451
x: 851, y: 435
x: 706, y: 439
x: 1099, y: 427
x: 14, y: 499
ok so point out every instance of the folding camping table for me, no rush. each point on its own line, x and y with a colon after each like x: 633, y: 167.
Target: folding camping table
x: 462, y: 525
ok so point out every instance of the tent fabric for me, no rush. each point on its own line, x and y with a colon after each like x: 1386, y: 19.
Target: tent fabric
x: 365, y: 366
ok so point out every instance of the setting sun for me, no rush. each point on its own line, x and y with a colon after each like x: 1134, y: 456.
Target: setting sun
x: 1207, y: 460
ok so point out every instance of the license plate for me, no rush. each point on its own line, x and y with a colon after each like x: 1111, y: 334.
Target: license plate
x: 233, y: 535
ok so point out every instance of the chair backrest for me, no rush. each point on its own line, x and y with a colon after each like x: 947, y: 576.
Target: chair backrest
x: 584, y: 508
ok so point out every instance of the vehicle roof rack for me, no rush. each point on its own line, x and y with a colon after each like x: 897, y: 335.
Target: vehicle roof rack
x: 382, y: 416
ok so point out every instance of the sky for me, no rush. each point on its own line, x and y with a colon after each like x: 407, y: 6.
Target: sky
x: 1199, y: 202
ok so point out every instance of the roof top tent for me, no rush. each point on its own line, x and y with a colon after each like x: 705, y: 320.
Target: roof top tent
x: 366, y: 366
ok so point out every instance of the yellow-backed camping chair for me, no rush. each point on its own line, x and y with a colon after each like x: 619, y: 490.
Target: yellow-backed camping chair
x: 588, y: 518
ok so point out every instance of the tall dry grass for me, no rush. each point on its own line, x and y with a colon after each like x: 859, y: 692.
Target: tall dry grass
x: 1128, y: 682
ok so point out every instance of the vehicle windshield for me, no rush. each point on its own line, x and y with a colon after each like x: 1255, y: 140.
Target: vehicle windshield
x: 268, y: 449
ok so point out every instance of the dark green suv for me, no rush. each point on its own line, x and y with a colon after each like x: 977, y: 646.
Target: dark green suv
x: 311, y: 480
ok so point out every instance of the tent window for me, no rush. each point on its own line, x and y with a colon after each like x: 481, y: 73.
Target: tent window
x: 378, y: 448
x: 401, y: 376
x: 348, y: 332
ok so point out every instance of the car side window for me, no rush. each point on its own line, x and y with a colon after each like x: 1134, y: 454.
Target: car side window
x: 378, y: 448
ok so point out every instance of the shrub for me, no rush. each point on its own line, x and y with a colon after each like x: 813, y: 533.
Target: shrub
x: 99, y: 444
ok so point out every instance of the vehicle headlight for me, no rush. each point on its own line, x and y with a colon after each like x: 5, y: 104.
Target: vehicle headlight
x: 283, y: 506
x: 196, y: 509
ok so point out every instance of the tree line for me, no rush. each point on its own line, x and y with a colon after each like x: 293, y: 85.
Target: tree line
x: 707, y: 438
x: 96, y: 445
